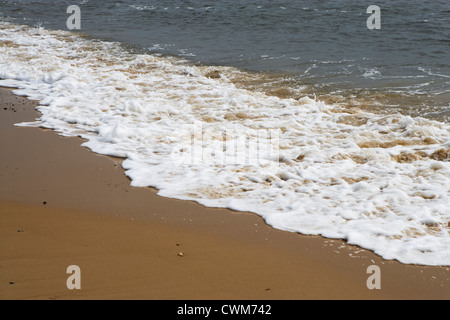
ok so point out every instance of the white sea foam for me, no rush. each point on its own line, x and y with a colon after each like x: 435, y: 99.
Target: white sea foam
x: 371, y: 73
x: 379, y: 181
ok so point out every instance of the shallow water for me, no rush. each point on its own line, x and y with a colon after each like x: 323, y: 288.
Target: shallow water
x: 320, y: 48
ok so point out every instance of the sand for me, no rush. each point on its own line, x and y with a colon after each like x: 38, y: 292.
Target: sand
x: 62, y: 205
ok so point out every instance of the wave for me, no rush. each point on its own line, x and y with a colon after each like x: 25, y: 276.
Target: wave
x: 379, y: 181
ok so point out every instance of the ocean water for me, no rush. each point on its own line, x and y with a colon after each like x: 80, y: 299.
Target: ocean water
x: 305, y: 47
x: 293, y: 110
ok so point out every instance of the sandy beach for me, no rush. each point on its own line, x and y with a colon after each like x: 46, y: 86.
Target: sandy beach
x: 62, y: 205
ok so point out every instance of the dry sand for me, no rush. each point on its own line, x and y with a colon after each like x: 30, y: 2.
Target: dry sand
x: 62, y: 205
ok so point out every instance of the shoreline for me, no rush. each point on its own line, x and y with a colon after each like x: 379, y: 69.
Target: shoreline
x: 127, y: 240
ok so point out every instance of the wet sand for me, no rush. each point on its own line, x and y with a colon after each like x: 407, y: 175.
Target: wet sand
x: 62, y: 205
